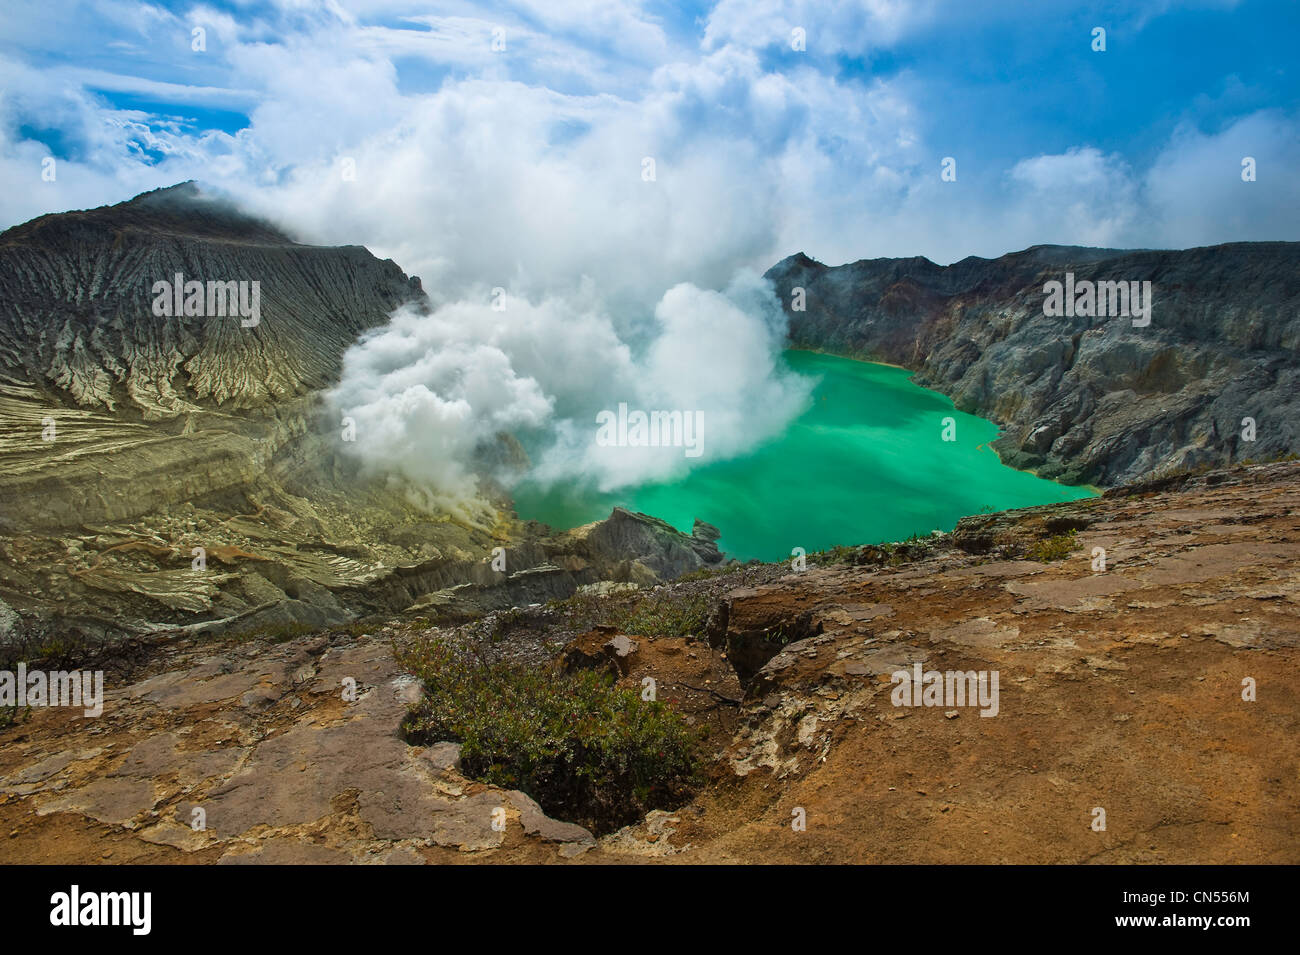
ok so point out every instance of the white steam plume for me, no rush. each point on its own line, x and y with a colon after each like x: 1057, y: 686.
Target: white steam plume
x: 430, y: 388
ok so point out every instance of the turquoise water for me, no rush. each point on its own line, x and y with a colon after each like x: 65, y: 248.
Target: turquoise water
x: 865, y: 463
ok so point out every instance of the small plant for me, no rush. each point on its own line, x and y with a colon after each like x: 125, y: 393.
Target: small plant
x: 583, y: 611
x: 664, y: 615
x: 273, y: 632
x: 584, y: 748
x: 780, y: 637
x: 708, y: 573
x: 1053, y: 548
x: 13, y: 715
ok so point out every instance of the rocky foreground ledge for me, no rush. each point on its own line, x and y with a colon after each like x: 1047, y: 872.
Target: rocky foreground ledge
x: 1120, y: 690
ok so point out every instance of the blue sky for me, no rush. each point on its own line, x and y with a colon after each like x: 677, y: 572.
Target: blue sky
x: 761, y: 150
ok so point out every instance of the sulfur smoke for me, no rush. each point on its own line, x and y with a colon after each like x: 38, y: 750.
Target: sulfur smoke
x: 434, y: 386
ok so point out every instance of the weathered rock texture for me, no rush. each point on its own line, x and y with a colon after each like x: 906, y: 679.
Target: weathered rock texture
x: 79, y: 321
x: 1086, y: 400
x: 1120, y: 689
x: 257, y: 756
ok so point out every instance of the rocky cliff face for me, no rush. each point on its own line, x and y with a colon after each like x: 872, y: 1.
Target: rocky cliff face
x: 111, y: 410
x: 1083, y: 398
x: 164, y: 459
x: 80, y: 318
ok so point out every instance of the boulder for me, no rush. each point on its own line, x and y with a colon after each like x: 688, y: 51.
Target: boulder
x: 754, y: 625
x: 601, y: 648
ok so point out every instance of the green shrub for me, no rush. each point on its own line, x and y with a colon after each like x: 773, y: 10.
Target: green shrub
x: 582, y: 611
x: 1052, y: 548
x: 889, y: 554
x: 359, y: 628
x: 273, y: 632
x: 12, y: 715
x: 708, y: 573
x: 664, y: 615
x: 50, y: 645
x: 586, y: 750
x: 658, y: 615
x: 507, y: 619
x: 1275, y: 459
x: 840, y: 554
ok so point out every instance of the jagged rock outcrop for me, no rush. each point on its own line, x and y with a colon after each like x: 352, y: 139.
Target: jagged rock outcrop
x: 174, y: 470
x: 625, y: 548
x: 79, y: 320
x: 652, y: 547
x: 1082, y: 399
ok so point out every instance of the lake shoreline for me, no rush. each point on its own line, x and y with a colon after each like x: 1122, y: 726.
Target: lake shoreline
x: 870, y: 461
x: 1098, y: 491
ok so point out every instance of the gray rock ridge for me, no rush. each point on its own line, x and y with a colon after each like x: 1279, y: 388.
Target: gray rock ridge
x: 1081, y: 399
x: 78, y: 323
x: 625, y: 548
x: 649, y: 541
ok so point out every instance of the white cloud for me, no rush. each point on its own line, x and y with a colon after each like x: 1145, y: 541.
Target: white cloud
x: 1208, y: 167
x: 831, y: 26
x: 1080, y: 197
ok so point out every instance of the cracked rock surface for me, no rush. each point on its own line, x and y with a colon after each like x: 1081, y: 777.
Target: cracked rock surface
x: 1119, y: 689
x: 286, y: 772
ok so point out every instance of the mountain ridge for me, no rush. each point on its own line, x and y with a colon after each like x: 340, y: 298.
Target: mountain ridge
x: 1082, y: 399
